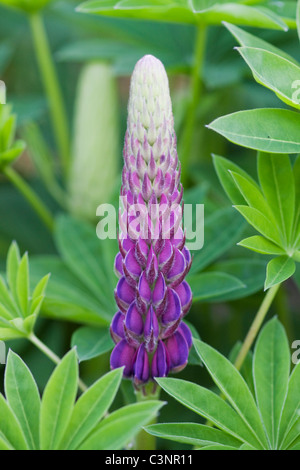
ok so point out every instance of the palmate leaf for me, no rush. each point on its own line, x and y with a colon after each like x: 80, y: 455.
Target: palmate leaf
x: 261, y: 245
x: 270, y: 419
x: 207, y: 286
x: 185, y: 11
x: 18, y: 307
x: 58, y: 423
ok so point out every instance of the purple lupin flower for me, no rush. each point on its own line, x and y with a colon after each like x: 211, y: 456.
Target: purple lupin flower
x: 152, y: 295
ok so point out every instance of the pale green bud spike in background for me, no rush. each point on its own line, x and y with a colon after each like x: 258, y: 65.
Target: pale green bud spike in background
x: 96, y: 147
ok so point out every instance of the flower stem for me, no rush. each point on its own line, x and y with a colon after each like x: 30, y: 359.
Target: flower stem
x: 143, y: 440
x: 196, y: 92
x: 33, y: 199
x: 52, y: 87
x: 52, y: 356
x: 255, y: 327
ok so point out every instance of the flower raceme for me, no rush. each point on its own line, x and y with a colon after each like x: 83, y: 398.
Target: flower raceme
x: 152, y: 294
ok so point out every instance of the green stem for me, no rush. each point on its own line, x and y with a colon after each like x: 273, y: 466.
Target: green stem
x: 255, y: 327
x: 52, y: 87
x: 196, y: 92
x: 31, y: 196
x: 143, y: 440
x: 52, y: 356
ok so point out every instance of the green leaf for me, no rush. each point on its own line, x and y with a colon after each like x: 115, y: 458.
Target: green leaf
x: 207, y: 286
x: 209, y: 405
x: 223, y: 168
x: 23, y: 398
x: 274, y: 72
x: 67, y: 297
x: 260, y: 222
x: 12, y: 266
x: 252, y: 194
x: 218, y: 447
x: 298, y: 18
x: 114, y: 432
x: 90, y: 408
x: 58, y: 401
x: 10, y: 429
x: 261, y: 245
x: 23, y: 285
x: 246, y: 369
x: 235, y: 389
x: 271, y: 368
x: 222, y: 230
x: 268, y: 130
x: 82, y: 252
x: 296, y: 172
x: 192, y: 433
x: 91, y: 342
x: 184, y: 11
x: 290, y: 413
x: 277, y: 182
x: 249, y: 40
x: 279, y: 270
x: 250, y: 271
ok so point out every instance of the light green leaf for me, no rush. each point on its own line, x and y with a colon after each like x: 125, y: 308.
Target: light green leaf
x: 236, y: 390
x: 120, y: 427
x: 223, y: 168
x: 249, y: 40
x: 10, y: 429
x: 12, y: 266
x: 58, y: 401
x: 261, y: 245
x: 260, y: 222
x: 192, y: 433
x: 218, y: 447
x: 184, y: 11
x: 274, y: 72
x: 90, y: 408
x: 296, y: 172
x: 209, y: 405
x: 252, y: 194
x: 279, y: 270
x: 271, y: 369
x: 268, y: 130
x: 291, y: 408
x: 207, y: 286
x: 23, y: 285
x: 277, y: 182
x: 298, y: 18
x: 23, y: 397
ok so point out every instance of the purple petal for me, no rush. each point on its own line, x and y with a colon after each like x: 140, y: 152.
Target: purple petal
x: 185, y: 294
x: 159, y: 291
x: 152, y: 267
x: 151, y: 330
x: 166, y: 256
x: 141, y: 366
x: 160, y: 362
x: 144, y: 288
x: 141, y: 251
x: 134, y: 321
x: 123, y: 355
x: 124, y: 294
x: 173, y: 308
x: 178, y: 266
x: 132, y: 264
x: 119, y: 265
x: 117, y: 327
x: 186, y: 332
x: 178, y: 350
x: 146, y: 187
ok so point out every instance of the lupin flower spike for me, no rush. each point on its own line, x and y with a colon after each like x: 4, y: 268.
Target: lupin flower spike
x: 152, y: 294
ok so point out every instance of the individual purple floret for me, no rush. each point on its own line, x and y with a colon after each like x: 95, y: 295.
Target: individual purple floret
x: 152, y: 294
